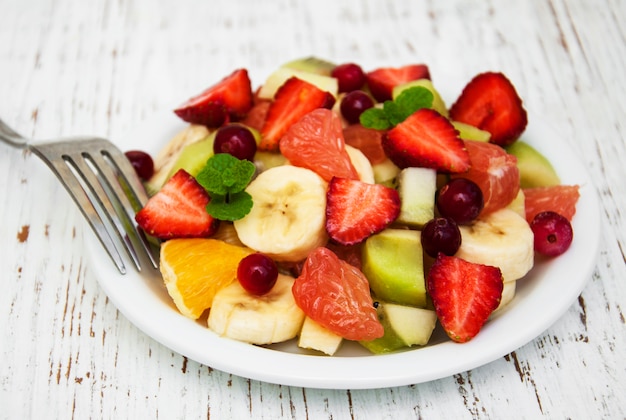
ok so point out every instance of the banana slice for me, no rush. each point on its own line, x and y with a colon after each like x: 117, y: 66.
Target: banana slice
x: 508, y: 293
x: 502, y: 239
x: 362, y: 164
x: 288, y: 215
x: 271, y: 318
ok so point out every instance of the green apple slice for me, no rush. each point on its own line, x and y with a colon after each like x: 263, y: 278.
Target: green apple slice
x: 393, y: 264
x: 316, y: 337
x: 417, y: 187
x: 404, y: 326
x: 413, y: 325
x: 194, y: 156
x: 469, y: 132
x: 282, y: 74
x: 535, y: 170
x: 311, y: 65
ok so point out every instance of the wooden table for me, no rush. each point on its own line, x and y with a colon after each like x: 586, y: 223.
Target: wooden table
x: 101, y: 67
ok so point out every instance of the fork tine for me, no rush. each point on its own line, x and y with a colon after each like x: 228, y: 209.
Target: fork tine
x: 120, y: 178
x: 105, y: 186
x: 85, y: 204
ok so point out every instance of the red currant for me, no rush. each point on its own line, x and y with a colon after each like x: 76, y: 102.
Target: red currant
x: 553, y: 233
x: 349, y: 76
x: 236, y: 140
x: 353, y: 105
x: 257, y: 273
x: 142, y: 162
x: 441, y: 235
x: 461, y: 200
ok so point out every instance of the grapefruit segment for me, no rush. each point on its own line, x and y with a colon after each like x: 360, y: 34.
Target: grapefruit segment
x: 496, y: 173
x: 336, y: 295
x: 316, y: 142
x: 561, y: 199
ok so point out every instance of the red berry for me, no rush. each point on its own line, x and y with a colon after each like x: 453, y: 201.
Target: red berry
x: 441, y: 235
x: 349, y: 76
x: 142, y: 162
x: 257, y: 273
x: 236, y: 140
x: 461, y: 200
x: 353, y: 105
x: 553, y: 233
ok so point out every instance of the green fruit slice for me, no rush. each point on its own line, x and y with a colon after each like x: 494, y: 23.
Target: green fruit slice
x: 393, y: 264
x: 469, y: 132
x: 405, y: 326
x: 535, y: 170
x: 194, y: 156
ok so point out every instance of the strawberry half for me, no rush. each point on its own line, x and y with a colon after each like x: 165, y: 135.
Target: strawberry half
x: 490, y: 102
x: 356, y: 210
x: 382, y: 81
x: 464, y: 294
x: 229, y: 99
x: 178, y: 210
x: 293, y: 100
x: 427, y: 139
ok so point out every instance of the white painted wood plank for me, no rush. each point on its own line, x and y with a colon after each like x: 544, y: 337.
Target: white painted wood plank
x: 69, y: 67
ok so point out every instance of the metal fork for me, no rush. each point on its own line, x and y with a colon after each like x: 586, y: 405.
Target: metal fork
x: 105, y: 187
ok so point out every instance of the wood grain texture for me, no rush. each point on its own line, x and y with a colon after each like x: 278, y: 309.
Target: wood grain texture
x: 101, y: 67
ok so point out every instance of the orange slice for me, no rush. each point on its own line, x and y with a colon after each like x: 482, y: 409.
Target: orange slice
x: 194, y: 269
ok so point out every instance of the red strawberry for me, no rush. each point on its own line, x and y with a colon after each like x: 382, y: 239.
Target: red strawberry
x: 464, y: 294
x: 382, y: 81
x: 490, y: 102
x: 293, y: 100
x: 178, y: 210
x: 231, y: 98
x: 356, y: 210
x: 427, y: 139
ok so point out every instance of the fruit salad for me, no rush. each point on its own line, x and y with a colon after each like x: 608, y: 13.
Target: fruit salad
x: 334, y: 203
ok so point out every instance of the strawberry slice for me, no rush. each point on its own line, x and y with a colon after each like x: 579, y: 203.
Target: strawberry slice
x: 229, y: 99
x: 427, y: 139
x: 356, y: 210
x: 490, y: 102
x: 178, y: 210
x: 464, y: 294
x: 293, y: 100
x: 382, y: 81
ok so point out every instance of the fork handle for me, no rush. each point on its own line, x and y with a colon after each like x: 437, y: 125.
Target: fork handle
x: 8, y: 135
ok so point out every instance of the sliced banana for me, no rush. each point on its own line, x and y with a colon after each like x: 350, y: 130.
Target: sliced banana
x: 288, y: 217
x: 361, y: 163
x: 502, y: 239
x: 271, y: 318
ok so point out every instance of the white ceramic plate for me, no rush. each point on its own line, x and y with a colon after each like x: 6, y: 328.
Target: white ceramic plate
x: 542, y: 297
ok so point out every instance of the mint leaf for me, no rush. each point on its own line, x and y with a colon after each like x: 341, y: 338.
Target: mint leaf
x: 414, y: 98
x: 232, y: 207
x: 394, y: 112
x: 224, y: 173
x: 225, y: 178
x: 375, y: 118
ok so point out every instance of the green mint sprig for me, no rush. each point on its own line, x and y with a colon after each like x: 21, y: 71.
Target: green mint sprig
x: 225, y: 178
x: 394, y: 112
